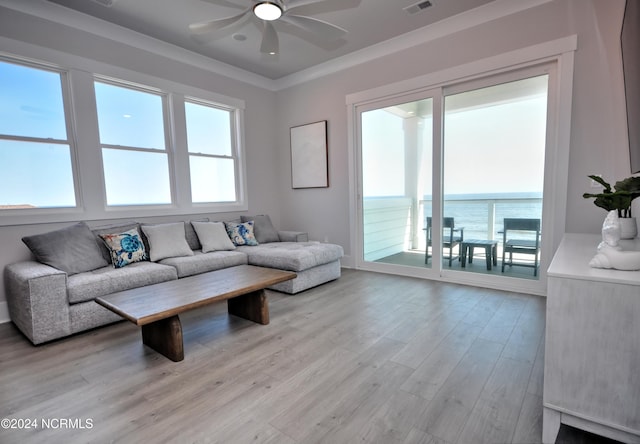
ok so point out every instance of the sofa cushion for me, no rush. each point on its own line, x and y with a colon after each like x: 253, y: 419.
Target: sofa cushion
x: 91, y: 284
x: 241, y: 233
x: 126, y: 248
x: 73, y: 249
x: 167, y: 240
x: 203, y: 262
x: 213, y: 236
x: 292, y: 256
x: 262, y: 228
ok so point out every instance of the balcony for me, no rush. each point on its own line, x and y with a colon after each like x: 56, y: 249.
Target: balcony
x: 394, y: 228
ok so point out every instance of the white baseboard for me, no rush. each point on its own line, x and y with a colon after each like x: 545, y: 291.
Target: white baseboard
x: 4, y: 312
x: 347, y: 261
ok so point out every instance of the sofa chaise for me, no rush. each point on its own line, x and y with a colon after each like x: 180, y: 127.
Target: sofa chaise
x: 53, y: 295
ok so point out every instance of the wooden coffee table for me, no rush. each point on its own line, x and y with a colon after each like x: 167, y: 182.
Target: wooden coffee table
x: 156, y: 307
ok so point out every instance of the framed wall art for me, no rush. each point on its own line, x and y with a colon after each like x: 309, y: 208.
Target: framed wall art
x: 309, y: 165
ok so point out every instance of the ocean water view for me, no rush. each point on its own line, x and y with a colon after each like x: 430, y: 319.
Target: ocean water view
x: 388, y: 226
x: 471, y: 211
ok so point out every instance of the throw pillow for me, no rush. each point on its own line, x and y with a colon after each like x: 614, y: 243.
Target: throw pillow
x: 191, y: 235
x: 126, y: 248
x: 262, y: 228
x: 166, y: 240
x: 113, y: 228
x: 73, y: 249
x: 241, y: 233
x: 213, y: 236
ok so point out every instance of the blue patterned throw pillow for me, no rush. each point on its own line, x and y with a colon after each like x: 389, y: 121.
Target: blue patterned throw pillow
x: 241, y: 233
x: 125, y: 248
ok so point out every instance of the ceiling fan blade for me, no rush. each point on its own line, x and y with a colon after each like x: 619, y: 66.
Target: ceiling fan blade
x: 216, y: 25
x: 295, y: 3
x: 270, y: 44
x: 321, y: 28
x: 224, y: 3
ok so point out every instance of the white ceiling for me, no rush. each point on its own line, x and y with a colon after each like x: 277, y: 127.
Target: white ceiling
x: 368, y: 23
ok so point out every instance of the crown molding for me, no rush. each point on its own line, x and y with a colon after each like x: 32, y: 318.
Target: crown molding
x: 74, y: 19
x: 451, y: 25
x: 482, y: 14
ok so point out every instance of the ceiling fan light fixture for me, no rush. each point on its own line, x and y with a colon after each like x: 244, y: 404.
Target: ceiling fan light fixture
x: 268, y: 11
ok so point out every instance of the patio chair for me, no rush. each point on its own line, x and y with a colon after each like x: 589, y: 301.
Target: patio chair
x: 526, y: 241
x: 451, y: 236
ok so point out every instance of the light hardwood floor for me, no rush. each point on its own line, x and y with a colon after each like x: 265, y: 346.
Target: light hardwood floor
x: 370, y: 358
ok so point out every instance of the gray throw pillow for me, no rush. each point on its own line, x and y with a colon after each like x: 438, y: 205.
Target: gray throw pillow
x: 213, y: 236
x: 166, y: 240
x: 191, y: 235
x: 73, y: 249
x: 262, y: 228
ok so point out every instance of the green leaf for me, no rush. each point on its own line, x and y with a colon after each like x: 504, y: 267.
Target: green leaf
x: 600, y: 180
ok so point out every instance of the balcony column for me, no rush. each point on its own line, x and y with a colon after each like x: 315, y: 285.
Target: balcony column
x: 412, y: 142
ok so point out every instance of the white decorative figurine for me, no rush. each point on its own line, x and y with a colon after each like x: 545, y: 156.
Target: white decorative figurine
x: 610, y: 254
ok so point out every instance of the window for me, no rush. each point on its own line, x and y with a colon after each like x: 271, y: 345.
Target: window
x: 80, y: 145
x: 36, y: 167
x: 212, y: 152
x: 133, y: 139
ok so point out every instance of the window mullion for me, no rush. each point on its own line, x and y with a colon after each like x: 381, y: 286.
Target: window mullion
x: 34, y: 139
x: 134, y: 148
x: 180, y: 160
x: 213, y: 156
x: 86, y: 135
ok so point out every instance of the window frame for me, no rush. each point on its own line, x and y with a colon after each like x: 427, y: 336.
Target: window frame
x: 234, y: 140
x: 83, y: 136
x: 168, y: 145
x: 70, y: 141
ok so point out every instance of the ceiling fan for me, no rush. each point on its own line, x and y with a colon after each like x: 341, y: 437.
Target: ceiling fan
x: 269, y: 12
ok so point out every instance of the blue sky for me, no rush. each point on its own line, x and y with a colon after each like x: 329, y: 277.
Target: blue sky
x: 494, y: 142
x: 32, y: 106
x: 40, y: 174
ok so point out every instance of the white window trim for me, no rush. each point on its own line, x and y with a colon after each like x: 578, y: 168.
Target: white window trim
x: 87, y: 164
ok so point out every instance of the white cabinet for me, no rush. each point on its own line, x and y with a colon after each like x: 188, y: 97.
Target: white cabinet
x: 592, y: 344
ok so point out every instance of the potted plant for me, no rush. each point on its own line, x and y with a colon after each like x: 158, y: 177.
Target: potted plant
x: 619, y: 199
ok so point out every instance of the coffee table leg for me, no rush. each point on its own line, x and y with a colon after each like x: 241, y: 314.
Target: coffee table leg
x: 251, y: 306
x: 165, y: 337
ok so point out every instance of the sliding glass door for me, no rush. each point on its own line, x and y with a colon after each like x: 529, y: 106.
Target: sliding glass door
x: 396, y: 170
x: 441, y: 171
x: 494, y: 152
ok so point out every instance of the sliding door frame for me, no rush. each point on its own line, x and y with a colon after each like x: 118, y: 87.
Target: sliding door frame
x: 557, y: 57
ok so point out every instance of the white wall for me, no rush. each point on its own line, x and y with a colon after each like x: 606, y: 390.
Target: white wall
x: 598, y: 139
x: 262, y: 166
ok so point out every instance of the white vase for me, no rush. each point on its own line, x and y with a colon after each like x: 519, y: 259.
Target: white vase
x: 628, y: 228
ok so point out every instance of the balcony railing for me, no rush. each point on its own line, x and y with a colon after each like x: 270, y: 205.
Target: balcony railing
x: 396, y: 224
x: 483, y: 218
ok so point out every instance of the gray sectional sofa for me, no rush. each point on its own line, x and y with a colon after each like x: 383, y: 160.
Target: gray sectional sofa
x: 48, y: 302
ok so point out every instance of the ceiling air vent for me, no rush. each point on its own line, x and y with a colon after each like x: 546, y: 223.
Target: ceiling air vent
x: 420, y: 6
